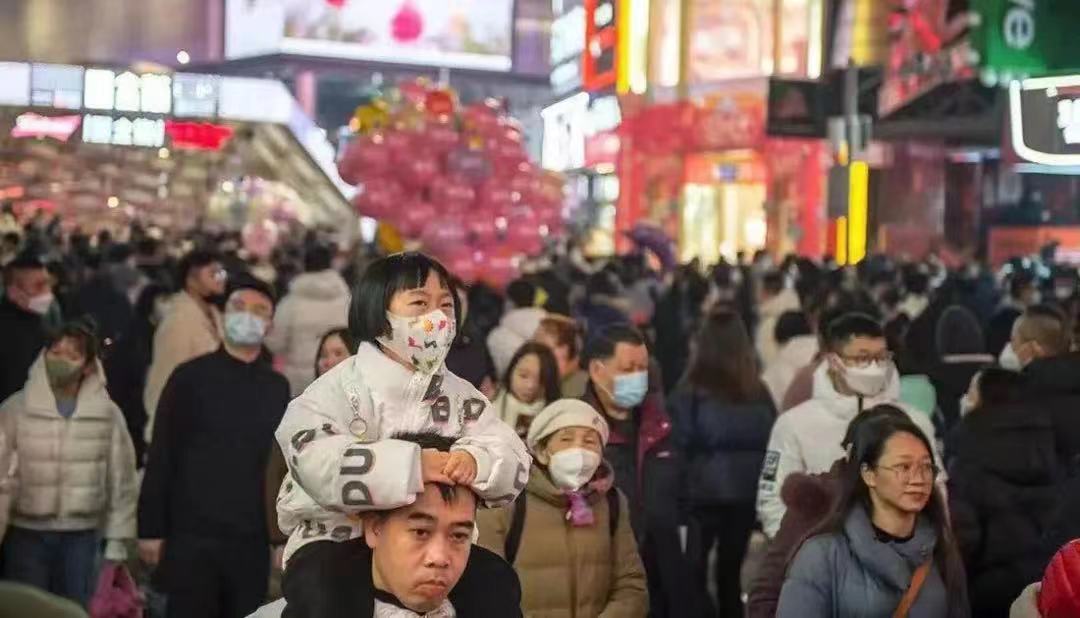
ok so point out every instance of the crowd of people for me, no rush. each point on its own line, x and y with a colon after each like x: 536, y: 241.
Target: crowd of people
x: 323, y: 435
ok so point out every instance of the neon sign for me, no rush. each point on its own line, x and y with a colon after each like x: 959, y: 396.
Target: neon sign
x: 35, y: 125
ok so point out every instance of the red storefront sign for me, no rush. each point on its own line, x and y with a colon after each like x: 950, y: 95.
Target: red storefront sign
x: 600, y: 60
x: 197, y: 135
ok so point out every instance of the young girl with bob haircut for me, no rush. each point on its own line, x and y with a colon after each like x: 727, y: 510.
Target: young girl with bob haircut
x: 336, y: 435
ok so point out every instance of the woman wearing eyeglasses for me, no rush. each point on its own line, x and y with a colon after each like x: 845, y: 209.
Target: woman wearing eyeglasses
x: 886, y: 549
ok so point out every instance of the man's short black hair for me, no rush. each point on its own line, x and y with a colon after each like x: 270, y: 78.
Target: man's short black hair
x: 83, y: 331
x: 1020, y: 281
x: 119, y: 252
x: 789, y: 325
x: 318, y: 258
x: 245, y: 281
x: 26, y: 260
x: 521, y: 293
x: 773, y: 282
x: 601, y: 345
x: 384, y: 278
x: 194, y: 260
x: 850, y: 325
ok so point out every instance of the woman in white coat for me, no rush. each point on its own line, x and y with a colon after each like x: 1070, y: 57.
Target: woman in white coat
x: 318, y: 300
x: 74, y: 481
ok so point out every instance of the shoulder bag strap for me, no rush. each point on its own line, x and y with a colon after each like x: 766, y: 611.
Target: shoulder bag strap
x: 918, y: 578
x: 513, y: 535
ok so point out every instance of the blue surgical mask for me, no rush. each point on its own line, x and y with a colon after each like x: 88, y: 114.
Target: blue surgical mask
x: 630, y: 389
x: 244, y: 329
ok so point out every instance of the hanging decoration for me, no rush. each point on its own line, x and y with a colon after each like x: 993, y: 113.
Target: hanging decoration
x: 454, y: 179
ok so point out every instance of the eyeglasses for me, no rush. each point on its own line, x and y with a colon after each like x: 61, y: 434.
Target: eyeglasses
x: 905, y: 472
x: 863, y: 362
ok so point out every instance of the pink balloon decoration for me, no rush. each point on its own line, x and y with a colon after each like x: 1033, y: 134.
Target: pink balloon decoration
x: 443, y: 235
x: 413, y: 216
x: 419, y: 171
x: 494, y: 269
x: 460, y: 263
x: 481, y: 230
x: 400, y: 145
x: 442, y: 138
x: 378, y: 197
x: 364, y: 157
x: 260, y: 237
x: 494, y: 197
x: 471, y: 165
x: 452, y: 193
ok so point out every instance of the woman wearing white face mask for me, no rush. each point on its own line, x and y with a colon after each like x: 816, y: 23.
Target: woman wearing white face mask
x: 570, y: 525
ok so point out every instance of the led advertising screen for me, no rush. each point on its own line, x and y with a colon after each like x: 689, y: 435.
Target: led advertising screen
x: 468, y: 34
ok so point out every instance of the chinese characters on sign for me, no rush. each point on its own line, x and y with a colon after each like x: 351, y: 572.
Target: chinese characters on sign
x: 127, y: 92
x: 148, y: 132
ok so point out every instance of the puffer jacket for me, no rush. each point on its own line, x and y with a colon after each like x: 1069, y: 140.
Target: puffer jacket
x: 768, y: 314
x: 1004, y: 491
x: 7, y: 480
x: 722, y: 444
x: 807, y: 439
x: 185, y: 333
x: 851, y: 574
x: 316, y: 303
x: 516, y: 328
x: 808, y: 498
x: 337, y: 442
x: 568, y: 571
x: 790, y: 358
x: 72, y: 474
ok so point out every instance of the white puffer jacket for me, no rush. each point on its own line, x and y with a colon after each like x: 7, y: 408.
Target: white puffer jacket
x: 73, y: 473
x: 807, y: 439
x: 336, y: 438
x: 316, y: 303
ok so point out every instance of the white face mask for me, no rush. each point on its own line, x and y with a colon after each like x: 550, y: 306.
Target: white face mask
x: 869, y: 381
x: 1008, y: 359
x: 40, y: 304
x: 422, y: 341
x: 572, y: 468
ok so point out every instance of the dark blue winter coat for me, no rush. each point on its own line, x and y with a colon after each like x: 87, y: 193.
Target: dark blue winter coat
x: 722, y: 444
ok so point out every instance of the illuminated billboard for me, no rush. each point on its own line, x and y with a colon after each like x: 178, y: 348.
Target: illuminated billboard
x: 469, y: 34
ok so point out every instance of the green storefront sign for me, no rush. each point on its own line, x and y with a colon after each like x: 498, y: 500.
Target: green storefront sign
x: 1026, y: 38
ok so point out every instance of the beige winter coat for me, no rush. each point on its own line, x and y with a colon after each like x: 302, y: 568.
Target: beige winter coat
x: 73, y: 473
x: 185, y: 333
x: 567, y: 571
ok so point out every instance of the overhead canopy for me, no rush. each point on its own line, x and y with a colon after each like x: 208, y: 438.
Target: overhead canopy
x: 158, y: 144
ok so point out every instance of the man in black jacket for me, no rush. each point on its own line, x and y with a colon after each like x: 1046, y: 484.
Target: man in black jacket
x: 1042, y: 340
x: 27, y: 298
x: 202, y: 518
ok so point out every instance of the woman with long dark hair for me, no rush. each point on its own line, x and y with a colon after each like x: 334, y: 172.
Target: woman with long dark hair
x: 887, y: 548
x: 530, y: 384
x: 722, y: 416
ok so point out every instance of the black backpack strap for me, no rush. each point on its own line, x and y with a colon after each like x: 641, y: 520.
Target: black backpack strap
x: 517, y: 524
x: 613, y: 510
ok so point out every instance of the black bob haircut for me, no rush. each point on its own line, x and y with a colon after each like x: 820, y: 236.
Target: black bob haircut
x: 83, y: 332
x: 844, y: 328
x: 601, y: 346
x: 384, y: 278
